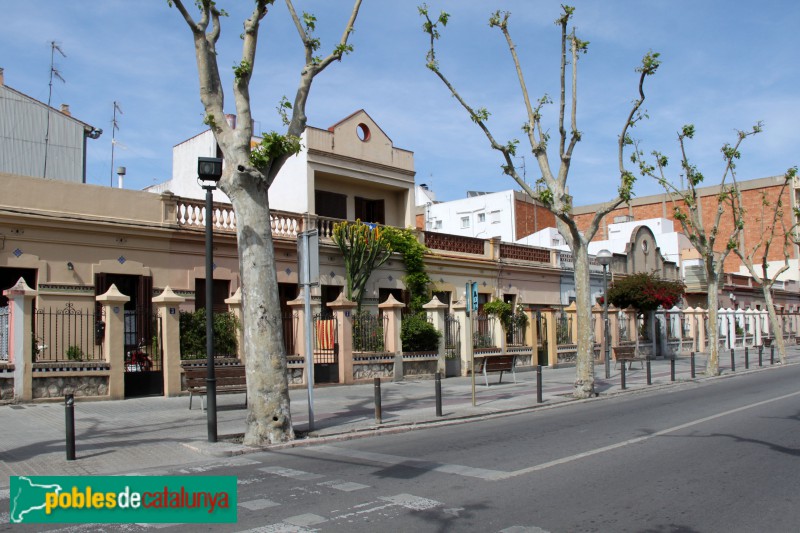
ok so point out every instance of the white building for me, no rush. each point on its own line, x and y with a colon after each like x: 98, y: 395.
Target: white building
x: 481, y: 215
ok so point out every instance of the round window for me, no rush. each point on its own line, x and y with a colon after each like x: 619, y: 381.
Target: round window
x: 362, y: 130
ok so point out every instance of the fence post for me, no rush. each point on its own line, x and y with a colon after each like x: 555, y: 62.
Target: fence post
x: 392, y: 309
x: 436, y: 311
x: 298, y: 307
x: 460, y: 310
x: 235, y: 307
x: 168, y: 310
x: 20, y: 338
x: 113, y: 303
x: 343, y: 311
x: 552, y: 340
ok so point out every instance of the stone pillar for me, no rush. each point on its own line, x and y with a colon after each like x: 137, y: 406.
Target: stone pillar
x: 113, y: 303
x: 597, y: 331
x: 436, y: 311
x: 552, y: 342
x: 702, y: 319
x: 572, y: 321
x: 168, y: 307
x: 20, y: 338
x: 235, y: 308
x: 298, y: 307
x: 393, y: 309
x: 613, y: 326
x: 343, y: 311
x: 531, y: 337
x: 460, y: 311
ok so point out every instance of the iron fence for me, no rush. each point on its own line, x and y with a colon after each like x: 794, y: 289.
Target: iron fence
x: 67, y: 334
x: 483, y: 334
x: 289, y: 319
x: 452, y: 337
x: 516, y: 334
x: 369, y: 332
x: 564, y: 328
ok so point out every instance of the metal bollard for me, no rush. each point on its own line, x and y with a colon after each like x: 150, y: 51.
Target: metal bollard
x: 692, y: 364
x: 69, y: 410
x: 438, y: 394
x: 622, y: 377
x: 772, y: 355
x: 733, y: 362
x: 649, y: 373
x: 672, y: 369
x: 746, y: 358
x: 760, y: 355
x: 538, y: 383
x: 378, y: 401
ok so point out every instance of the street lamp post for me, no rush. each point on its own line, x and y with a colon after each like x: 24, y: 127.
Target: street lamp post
x: 209, y: 171
x: 604, y: 258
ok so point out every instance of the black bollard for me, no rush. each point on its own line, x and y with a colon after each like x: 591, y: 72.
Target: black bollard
x: 622, y: 377
x: 746, y: 358
x: 772, y: 355
x: 672, y: 369
x: 69, y: 410
x: 538, y: 383
x: 692, y: 364
x: 733, y: 362
x: 378, y: 415
x: 649, y: 374
x: 760, y: 355
x: 438, y: 394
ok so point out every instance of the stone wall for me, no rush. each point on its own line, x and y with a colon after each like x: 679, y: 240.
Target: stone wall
x: 419, y: 368
x: 80, y: 386
x: 373, y: 369
x: 6, y: 388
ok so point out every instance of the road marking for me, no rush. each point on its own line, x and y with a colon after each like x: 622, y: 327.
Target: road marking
x: 409, y: 501
x: 307, y: 519
x: 397, y: 460
x: 222, y: 464
x: 523, y: 529
x: 344, y: 486
x: 257, y: 505
x: 280, y: 527
x: 288, y: 472
x: 637, y: 440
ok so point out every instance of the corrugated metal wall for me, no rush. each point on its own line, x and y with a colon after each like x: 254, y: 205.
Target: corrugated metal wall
x: 23, y: 123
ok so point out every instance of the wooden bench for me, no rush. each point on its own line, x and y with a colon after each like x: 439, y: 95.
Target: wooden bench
x: 498, y: 363
x: 627, y: 354
x: 230, y: 379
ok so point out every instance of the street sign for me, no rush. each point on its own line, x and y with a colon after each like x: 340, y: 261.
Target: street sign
x: 308, y: 262
x: 475, y: 296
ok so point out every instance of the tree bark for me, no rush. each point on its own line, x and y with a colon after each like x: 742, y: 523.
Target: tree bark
x: 712, y: 366
x: 774, y: 325
x: 584, y: 373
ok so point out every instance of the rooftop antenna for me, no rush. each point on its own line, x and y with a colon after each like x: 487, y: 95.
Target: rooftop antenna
x: 54, y: 73
x: 114, y: 128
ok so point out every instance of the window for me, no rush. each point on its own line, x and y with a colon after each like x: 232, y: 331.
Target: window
x: 370, y: 210
x: 220, y: 292
x: 464, y: 222
x: 495, y: 217
x: 481, y: 217
x: 437, y: 224
x: 330, y: 204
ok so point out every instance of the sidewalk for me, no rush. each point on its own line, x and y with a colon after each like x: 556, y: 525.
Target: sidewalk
x: 151, y: 433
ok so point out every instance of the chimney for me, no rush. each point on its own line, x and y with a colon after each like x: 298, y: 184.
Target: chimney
x: 231, y: 120
x: 65, y: 109
x: 2, y: 82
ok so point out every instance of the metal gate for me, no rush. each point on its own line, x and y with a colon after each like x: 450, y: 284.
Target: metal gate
x: 452, y: 337
x: 326, y: 349
x: 541, y: 339
x: 144, y: 371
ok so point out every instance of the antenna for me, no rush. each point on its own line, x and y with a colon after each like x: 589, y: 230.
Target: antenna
x: 54, y: 73
x: 114, y: 128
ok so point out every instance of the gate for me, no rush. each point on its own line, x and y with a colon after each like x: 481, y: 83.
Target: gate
x: 144, y: 371
x: 541, y: 339
x: 326, y: 349
x: 452, y: 337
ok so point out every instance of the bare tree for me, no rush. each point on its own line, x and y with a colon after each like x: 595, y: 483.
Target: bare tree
x: 247, y: 177
x: 688, y: 210
x: 552, y: 187
x: 775, y: 228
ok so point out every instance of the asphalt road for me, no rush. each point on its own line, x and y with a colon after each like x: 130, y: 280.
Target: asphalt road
x: 715, y: 456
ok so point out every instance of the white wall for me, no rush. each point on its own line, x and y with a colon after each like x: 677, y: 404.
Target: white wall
x: 497, y: 210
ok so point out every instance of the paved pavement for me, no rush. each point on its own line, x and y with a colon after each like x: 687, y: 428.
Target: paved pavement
x: 146, y: 434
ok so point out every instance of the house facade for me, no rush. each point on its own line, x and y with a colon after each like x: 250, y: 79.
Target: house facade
x: 41, y: 141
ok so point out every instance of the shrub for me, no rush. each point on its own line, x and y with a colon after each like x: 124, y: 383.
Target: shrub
x: 74, y: 353
x: 645, y: 292
x: 419, y: 335
x: 193, y: 334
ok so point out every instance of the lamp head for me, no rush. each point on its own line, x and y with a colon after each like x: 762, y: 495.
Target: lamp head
x: 604, y: 257
x: 209, y: 169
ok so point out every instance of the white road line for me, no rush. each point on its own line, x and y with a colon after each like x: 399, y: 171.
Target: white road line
x: 395, y: 460
x: 644, y: 438
x: 291, y: 473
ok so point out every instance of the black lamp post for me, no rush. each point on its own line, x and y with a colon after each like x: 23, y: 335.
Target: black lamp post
x: 604, y: 258
x: 209, y: 171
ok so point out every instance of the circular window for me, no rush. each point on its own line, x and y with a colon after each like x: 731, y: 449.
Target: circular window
x: 645, y: 246
x: 363, y: 132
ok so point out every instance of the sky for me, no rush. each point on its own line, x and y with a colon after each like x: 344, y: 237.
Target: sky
x: 726, y: 64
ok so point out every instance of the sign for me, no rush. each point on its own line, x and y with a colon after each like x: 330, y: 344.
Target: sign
x: 308, y: 262
x: 475, y: 296
x: 471, y: 296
